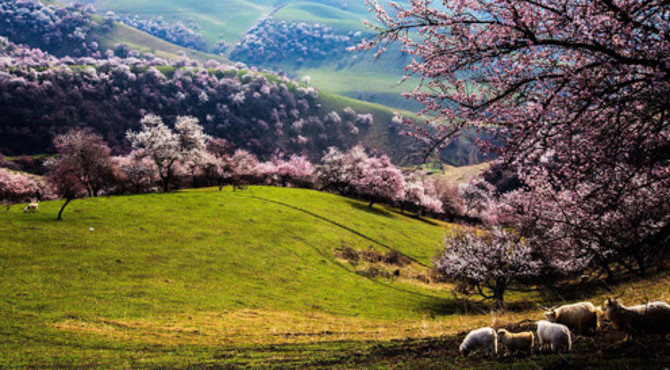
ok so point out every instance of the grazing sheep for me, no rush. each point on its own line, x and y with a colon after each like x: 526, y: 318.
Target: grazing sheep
x: 516, y: 342
x: 484, y: 338
x: 644, y: 319
x: 32, y: 208
x: 580, y: 317
x: 553, y: 336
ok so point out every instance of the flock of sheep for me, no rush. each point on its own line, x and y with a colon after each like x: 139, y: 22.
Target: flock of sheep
x: 555, y: 334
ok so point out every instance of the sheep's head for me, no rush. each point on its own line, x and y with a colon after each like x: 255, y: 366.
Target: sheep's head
x: 550, y: 315
x: 612, y: 305
x: 502, y: 333
x: 463, y: 349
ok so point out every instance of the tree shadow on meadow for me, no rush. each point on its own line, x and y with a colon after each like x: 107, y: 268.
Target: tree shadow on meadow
x: 371, y: 210
x: 382, y: 210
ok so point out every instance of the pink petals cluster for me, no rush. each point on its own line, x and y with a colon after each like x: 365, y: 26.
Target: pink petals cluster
x: 17, y: 187
x: 376, y: 179
x: 491, y: 261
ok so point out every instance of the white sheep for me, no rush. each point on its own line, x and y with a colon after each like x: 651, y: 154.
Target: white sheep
x: 484, y: 338
x: 582, y: 317
x: 644, y: 319
x: 553, y: 336
x: 32, y: 208
x: 516, y: 342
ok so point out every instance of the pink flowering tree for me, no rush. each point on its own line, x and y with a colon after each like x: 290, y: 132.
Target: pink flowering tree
x: 477, y: 196
x: 136, y: 172
x: 380, y: 180
x: 338, y: 170
x: 64, y: 179
x: 218, y: 165
x: 420, y: 195
x: 159, y: 143
x: 171, y: 151
x: 193, y: 143
x: 492, y: 261
x: 577, y: 91
x: 17, y: 187
x: 245, y: 168
x: 631, y: 233
x: 87, y: 155
x: 447, y: 193
x: 296, y: 168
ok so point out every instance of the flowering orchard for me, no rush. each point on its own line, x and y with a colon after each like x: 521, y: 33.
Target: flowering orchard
x: 578, y: 94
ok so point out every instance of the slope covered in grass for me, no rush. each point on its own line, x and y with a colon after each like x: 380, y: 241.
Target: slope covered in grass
x: 142, y: 260
x: 145, y: 43
x: 362, y: 77
x: 249, y: 278
x: 227, y: 20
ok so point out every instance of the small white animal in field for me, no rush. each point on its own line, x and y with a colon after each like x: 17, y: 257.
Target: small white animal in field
x: 481, y: 339
x: 32, y: 208
x: 516, y: 342
x: 91, y: 229
x: 553, y: 336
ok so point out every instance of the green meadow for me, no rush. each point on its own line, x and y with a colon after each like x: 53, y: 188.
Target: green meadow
x: 255, y: 277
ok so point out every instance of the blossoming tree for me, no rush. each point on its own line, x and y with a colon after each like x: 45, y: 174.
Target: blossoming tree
x: 491, y: 261
x: 580, y: 85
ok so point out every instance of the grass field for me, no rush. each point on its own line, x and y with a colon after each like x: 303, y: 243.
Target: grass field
x: 245, y: 278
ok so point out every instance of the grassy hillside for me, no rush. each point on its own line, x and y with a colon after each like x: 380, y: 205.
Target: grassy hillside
x: 229, y: 20
x: 247, y: 278
x: 145, y: 43
x: 164, y: 262
x: 220, y: 20
x: 312, y: 12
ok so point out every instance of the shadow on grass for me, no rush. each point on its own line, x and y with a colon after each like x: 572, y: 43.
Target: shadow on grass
x: 372, y: 210
x: 419, y: 218
x: 605, y: 351
x: 344, y: 227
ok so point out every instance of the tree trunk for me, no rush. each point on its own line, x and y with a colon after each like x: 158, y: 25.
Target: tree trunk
x: 60, y: 213
x: 371, y: 203
x: 166, y: 184
x: 499, y: 294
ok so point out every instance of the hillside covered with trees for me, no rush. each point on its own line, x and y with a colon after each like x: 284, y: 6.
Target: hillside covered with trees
x: 166, y: 207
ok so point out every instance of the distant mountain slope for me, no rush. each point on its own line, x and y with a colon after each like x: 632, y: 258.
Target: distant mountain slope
x: 29, y: 131
x: 359, y: 75
x: 145, y: 43
x: 220, y: 20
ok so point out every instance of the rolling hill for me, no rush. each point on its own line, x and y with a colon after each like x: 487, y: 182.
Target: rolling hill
x: 261, y: 277
x: 145, y: 43
x: 352, y: 74
x: 113, y: 264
